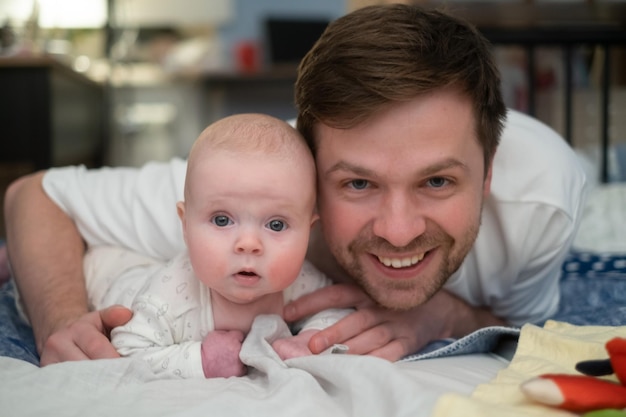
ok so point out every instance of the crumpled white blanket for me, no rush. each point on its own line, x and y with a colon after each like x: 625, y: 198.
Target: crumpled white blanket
x: 324, y: 385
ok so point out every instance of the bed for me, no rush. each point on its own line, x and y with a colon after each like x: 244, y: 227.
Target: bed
x: 478, y: 375
x: 475, y: 376
x: 470, y: 376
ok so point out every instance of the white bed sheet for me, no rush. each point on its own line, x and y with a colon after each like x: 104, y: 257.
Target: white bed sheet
x: 603, y: 223
x: 325, y: 385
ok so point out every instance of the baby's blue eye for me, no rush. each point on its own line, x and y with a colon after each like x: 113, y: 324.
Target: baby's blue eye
x: 221, y: 221
x: 277, y: 225
x: 359, y: 184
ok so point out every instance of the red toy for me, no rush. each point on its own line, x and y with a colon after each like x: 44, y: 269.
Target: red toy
x: 583, y: 393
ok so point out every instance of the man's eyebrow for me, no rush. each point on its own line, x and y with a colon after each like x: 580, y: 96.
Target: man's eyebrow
x: 346, y: 166
x: 443, y: 165
x: 433, y: 169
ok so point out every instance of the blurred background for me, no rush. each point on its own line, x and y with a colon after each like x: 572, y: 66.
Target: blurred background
x: 122, y: 82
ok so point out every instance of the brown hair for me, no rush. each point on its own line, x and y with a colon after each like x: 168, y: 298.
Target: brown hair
x: 380, y: 55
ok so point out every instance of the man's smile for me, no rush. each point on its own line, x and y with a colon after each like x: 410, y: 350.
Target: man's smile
x: 401, y: 262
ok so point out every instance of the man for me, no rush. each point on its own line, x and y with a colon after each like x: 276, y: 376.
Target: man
x: 441, y: 234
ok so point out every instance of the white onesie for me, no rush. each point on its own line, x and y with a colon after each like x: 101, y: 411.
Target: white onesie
x: 171, y: 308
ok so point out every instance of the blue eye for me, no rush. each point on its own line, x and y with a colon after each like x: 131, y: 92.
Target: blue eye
x: 221, y: 221
x: 276, y: 225
x: 437, y: 182
x: 359, y: 184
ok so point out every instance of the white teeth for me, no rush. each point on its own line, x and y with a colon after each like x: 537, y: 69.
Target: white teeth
x: 401, y: 262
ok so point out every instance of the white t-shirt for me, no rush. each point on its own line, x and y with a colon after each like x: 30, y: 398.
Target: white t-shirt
x: 528, y: 222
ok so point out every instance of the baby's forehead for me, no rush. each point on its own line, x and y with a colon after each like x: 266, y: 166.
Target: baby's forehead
x: 290, y: 161
x: 253, y: 177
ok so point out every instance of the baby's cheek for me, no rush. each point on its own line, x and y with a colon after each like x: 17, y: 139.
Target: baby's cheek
x: 284, y: 271
x: 210, y: 270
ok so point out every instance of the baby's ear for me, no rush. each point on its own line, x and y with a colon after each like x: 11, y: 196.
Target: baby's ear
x: 180, y: 209
x: 315, y: 218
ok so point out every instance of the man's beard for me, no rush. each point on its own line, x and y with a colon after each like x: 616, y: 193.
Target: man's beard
x: 403, y: 294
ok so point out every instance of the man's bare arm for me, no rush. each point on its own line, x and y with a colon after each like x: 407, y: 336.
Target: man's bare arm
x: 46, y: 251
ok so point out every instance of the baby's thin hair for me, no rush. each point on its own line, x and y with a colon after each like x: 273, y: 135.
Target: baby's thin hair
x: 250, y: 133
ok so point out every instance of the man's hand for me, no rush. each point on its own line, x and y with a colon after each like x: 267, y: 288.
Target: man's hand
x: 294, y: 346
x: 385, y: 333
x: 220, y: 354
x: 85, y: 338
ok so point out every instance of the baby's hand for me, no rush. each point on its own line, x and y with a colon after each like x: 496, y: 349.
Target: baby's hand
x: 294, y: 346
x: 220, y: 354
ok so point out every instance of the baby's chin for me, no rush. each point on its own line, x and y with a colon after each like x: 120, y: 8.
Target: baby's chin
x: 246, y: 296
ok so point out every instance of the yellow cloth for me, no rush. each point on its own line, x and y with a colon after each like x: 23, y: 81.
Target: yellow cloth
x: 555, y: 348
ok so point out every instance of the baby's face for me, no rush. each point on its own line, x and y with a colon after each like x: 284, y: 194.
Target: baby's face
x: 247, y: 221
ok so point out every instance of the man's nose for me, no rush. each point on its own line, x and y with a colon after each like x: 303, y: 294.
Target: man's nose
x: 399, y: 220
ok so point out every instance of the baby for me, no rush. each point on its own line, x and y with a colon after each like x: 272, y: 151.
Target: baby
x: 248, y: 209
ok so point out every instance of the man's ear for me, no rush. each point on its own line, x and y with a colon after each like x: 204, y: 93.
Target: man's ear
x: 487, y: 182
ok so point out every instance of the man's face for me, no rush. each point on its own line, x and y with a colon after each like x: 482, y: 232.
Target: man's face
x: 400, y: 196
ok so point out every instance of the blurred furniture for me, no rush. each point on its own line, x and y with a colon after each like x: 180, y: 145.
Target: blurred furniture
x: 50, y: 114
x: 566, y: 25
x: 268, y: 90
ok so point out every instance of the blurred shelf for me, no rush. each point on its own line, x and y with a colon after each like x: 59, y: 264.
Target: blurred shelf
x: 537, y: 14
x: 50, y: 114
